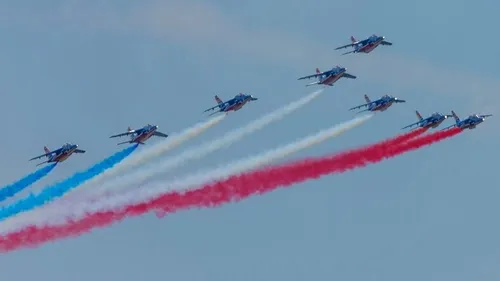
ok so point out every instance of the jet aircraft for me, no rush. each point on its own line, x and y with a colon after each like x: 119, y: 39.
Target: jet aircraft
x: 60, y: 154
x: 328, y: 77
x: 366, y: 45
x: 141, y: 135
x: 233, y: 104
x: 469, y: 123
x: 432, y: 121
x: 378, y: 105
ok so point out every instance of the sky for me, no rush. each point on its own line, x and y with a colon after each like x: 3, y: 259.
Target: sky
x: 80, y: 71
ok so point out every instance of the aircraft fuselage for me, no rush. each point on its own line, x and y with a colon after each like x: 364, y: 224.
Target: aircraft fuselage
x: 471, y: 124
x: 434, y: 123
x: 236, y: 106
x: 382, y: 107
x: 331, y: 79
x: 141, y: 138
x: 63, y: 156
x: 370, y: 46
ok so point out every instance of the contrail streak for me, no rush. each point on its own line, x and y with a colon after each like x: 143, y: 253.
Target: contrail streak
x: 18, y: 186
x: 60, y: 213
x: 132, y: 180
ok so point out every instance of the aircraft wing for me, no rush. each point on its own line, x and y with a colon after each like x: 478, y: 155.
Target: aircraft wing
x: 123, y: 134
x: 349, y: 52
x: 449, y: 127
x: 216, y: 106
x: 212, y: 108
x: 160, y: 134
x: 487, y: 115
x: 362, y: 42
x: 311, y: 76
x: 346, y: 46
x: 38, y: 157
x: 411, y: 125
x: 46, y: 154
x: 79, y: 151
x: 360, y: 106
x: 387, y: 43
x: 347, y: 75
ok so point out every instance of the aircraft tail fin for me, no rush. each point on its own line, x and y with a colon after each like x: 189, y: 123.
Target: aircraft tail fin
x: 367, y: 99
x: 418, y: 115
x: 455, y: 116
x: 318, y: 71
x: 217, y: 99
x: 353, y: 40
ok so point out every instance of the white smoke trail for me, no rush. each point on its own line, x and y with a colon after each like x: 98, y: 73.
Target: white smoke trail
x: 133, y: 179
x: 59, y: 214
x: 149, y: 153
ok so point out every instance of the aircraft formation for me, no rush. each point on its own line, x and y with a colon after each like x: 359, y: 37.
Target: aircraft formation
x: 326, y: 78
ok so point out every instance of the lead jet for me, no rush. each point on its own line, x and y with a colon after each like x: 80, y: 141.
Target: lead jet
x: 366, y: 45
x: 469, y: 123
x: 60, y: 154
x: 432, y: 121
x: 328, y: 77
x: 233, y: 104
x: 378, y: 105
x: 141, y: 135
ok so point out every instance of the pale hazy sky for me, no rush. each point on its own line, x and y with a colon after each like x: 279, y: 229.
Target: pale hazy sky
x: 80, y: 71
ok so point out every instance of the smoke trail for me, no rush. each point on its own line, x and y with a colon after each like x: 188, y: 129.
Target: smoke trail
x: 152, y: 152
x: 235, y: 188
x: 14, y: 188
x: 52, y: 192
x: 53, y: 215
x: 132, y: 180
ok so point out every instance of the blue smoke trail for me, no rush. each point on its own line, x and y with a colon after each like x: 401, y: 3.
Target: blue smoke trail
x: 14, y: 188
x: 59, y: 189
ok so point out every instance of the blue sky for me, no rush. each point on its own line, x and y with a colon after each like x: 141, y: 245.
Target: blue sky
x: 80, y: 71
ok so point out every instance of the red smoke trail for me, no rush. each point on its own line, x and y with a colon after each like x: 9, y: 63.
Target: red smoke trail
x: 234, y: 188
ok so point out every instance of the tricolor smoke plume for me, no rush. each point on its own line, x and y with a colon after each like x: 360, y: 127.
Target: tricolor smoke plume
x: 234, y: 188
x: 60, y: 211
